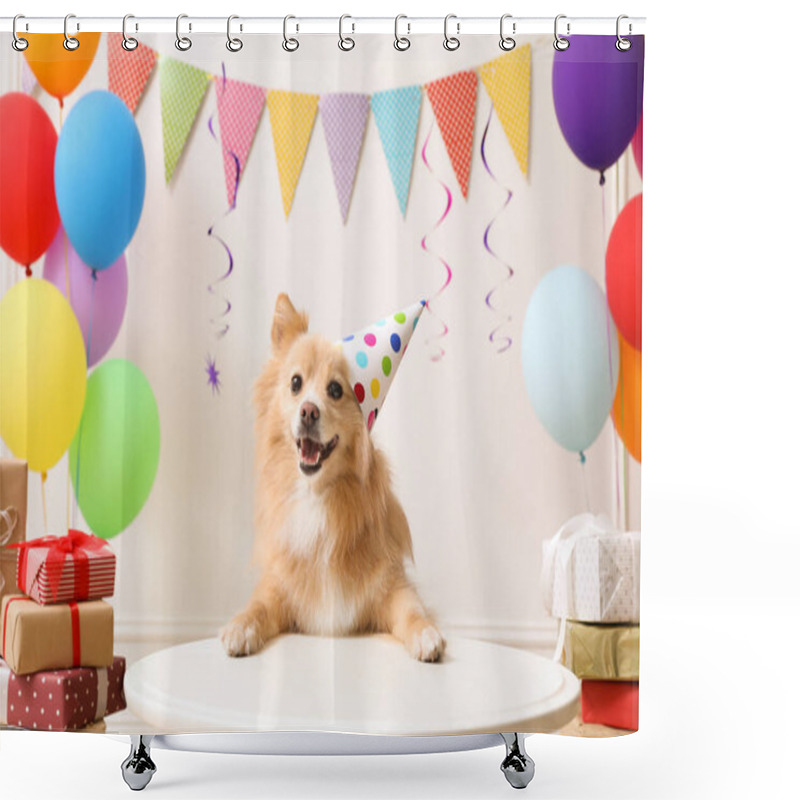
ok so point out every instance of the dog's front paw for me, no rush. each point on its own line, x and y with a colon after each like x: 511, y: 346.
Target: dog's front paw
x: 240, y: 637
x: 426, y: 643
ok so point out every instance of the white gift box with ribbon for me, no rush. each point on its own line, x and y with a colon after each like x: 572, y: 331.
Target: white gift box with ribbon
x: 590, y: 571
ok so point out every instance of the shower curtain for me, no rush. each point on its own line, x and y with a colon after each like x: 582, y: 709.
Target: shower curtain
x: 462, y: 230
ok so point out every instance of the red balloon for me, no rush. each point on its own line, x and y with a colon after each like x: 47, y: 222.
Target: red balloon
x: 28, y: 211
x: 624, y: 272
x: 636, y: 145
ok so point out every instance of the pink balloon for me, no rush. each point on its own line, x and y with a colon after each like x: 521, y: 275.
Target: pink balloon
x: 636, y: 145
x: 100, y: 317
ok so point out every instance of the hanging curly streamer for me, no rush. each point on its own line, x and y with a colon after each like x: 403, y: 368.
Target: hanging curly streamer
x: 424, y: 244
x: 504, y: 341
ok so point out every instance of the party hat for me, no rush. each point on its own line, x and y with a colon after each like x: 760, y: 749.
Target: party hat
x: 374, y: 355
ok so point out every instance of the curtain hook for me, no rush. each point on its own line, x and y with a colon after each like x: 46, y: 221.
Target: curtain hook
x: 401, y: 43
x: 507, y: 42
x: 129, y: 43
x: 17, y: 42
x: 451, y: 43
x: 290, y: 44
x: 622, y: 43
x: 183, y: 43
x: 234, y: 44
x: 70, y: 42
x: 559, y: 42
x: 346, y: 43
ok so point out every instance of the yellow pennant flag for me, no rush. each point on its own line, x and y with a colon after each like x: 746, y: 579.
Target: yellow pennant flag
x: 508, y: 81
x: 291, y: 116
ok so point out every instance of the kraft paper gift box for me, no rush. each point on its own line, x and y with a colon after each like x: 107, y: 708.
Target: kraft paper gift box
x: 35, y: 638
x: 590, y: 571
x: 602, y: 652
x: 64, y: 569
x: 611, y: 703
x: 13, y: 514
x: 62, y: 700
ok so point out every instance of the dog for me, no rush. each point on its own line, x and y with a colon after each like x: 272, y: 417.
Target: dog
x: 331, y: 537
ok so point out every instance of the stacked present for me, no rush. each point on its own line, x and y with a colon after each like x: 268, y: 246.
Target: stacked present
x: 57, y: 639
x: 590, y: 580
x: 13, y: 512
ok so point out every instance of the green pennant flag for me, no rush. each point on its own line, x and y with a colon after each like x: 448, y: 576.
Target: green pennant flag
x: 183, y: 88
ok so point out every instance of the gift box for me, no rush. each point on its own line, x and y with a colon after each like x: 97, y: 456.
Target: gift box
x: 61, y: 700
x: 8, y: 573
x: 13, y: 512
x: 34, y: 637
x: 590, y: 571
x: 64, y: 569
x: 612, y: 703
x: 602, y: 652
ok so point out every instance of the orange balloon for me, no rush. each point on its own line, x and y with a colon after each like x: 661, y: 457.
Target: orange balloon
x: 627, y: 410
x: 57, y: 69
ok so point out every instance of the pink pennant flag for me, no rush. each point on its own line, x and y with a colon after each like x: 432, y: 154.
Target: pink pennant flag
x: 344, y: 118
x: 453, y: 101
x: 129, y: 70
x: 239, y: 107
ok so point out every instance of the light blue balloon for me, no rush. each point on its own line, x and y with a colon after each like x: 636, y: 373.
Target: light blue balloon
x: 570, y: 356
x: 100, y: 177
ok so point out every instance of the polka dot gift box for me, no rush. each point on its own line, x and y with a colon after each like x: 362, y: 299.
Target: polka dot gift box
x: 374, y: 355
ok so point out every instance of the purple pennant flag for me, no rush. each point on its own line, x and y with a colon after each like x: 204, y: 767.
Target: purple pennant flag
x: 344, y: 119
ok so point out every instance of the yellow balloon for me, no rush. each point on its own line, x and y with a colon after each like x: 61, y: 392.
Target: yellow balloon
x: 57, y: 69
x: 42, y: 373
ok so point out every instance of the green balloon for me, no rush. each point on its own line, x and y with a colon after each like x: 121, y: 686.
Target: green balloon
x: 114, y: 456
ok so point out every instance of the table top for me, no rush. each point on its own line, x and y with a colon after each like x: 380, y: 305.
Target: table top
x: 358, y: 684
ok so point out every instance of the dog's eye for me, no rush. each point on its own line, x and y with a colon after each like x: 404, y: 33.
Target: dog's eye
x: 297, y: 384
x: 335, y: 389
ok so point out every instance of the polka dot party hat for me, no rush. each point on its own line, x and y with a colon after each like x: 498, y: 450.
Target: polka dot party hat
x: 374, y: 355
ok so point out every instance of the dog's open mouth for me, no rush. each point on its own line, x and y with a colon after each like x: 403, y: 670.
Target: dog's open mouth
x: 313, y: 453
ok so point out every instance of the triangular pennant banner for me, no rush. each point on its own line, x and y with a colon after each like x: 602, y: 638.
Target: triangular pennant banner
x: 129, y: 70
x: 453, y: 101
x: 397, y: 117
x: 182, y: 90
x: 239, y: 107
x: 292, y: 116
x: 508, y: 81
x: 344, y: 119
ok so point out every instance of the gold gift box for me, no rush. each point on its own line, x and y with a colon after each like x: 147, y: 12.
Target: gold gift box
x: 602, y: 652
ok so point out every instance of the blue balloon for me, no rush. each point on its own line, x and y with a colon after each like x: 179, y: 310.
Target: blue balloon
x: 570, y: 356
x: 100, y: 177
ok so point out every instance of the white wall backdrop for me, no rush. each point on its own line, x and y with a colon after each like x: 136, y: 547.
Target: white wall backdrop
x: 481, y: 481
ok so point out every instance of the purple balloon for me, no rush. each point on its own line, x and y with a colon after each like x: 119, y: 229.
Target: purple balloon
x: 100, y: 316
x: 597, y: 91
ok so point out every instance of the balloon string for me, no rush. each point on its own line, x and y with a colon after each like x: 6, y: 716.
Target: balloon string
x: 43, y: 474
x: 424, y: 244
x: 585, y: 481
x: 505, y: 341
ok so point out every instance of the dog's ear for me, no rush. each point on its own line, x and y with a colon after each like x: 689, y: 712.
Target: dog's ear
x: 287, y: 324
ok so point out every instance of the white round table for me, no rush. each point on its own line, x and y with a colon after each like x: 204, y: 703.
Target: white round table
x: 359, y: 684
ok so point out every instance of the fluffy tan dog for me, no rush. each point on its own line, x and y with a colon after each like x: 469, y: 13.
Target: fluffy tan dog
x: 331, y: 537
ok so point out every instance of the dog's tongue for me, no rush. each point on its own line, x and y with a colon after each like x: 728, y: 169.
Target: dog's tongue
x: 309, y: 450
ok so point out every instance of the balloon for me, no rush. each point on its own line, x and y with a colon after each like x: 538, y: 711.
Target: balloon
x: 97, y: 298
x: 42, y: 373
x: 627, y: 412
x: 100, y: 178
x: 597, y: 91
x: 114, y: 456
x: 624, y: 272
x: 570, y: 356
x: 636, y: 146
x: 28, y: 211
x: 57, y: 69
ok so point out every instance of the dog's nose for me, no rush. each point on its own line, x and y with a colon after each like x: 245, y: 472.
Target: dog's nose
x: 309, y: 414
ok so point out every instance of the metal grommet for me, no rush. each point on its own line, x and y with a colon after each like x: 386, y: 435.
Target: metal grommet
x: 346, y: 43
x: 129, y: 43
x: 559, y: 42
x: 622, y: 43
x: 70, y: 42
x: 233, y: 44
x: 17, y: 42
x: 401, y: 43
x: 183, y: 43
x: 290, y: 44
x: 507, y: 42
x: 451, y: 43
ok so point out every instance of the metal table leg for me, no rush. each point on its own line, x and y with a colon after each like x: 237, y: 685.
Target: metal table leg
x: 138, y: 768
x: 517, y: 766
